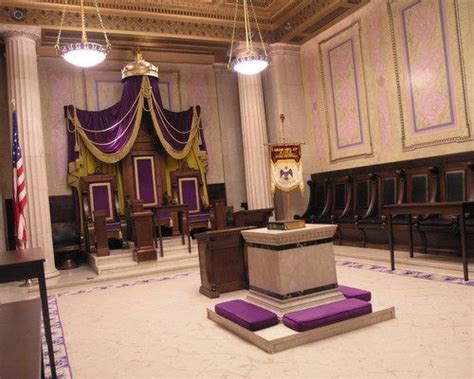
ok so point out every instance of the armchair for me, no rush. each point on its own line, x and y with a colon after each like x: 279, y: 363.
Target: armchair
x: 187, y: 188
x: 99, y: 192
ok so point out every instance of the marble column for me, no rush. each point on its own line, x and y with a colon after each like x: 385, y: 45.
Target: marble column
x: 231, y: 135
x: 283, y: 86
x: 23, y: 86
x: 254, y: 138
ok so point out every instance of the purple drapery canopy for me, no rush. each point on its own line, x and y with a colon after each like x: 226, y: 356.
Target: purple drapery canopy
x: 177, y: 134
x: 118, y: 119
x: 110, y: 133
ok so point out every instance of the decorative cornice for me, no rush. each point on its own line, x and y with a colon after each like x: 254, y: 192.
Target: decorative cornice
x: 135, y: 23
x: 283, y: 49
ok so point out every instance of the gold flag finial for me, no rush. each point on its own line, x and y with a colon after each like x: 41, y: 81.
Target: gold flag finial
x: 13, y: 104
x: 283, y: 137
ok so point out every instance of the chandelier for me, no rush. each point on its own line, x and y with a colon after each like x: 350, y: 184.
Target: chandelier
x: 84, y: 53
x: 247, y: 58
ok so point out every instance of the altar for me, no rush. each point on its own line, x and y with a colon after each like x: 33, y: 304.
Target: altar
x: 294, y: 297
x: 291, y: 269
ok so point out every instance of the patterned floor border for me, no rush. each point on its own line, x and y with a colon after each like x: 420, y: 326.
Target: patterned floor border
x: 63, y: 366
x: 409, y: 273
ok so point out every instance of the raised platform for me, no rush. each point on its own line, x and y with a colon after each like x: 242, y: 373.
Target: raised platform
x: 279, y: 337
x: 121, y: 260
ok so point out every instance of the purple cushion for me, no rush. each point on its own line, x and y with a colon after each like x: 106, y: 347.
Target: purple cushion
x: 326, y: 314
x: 355, y: 293
x: 165, y: 215
x: 113, y: 226
x: 247, y: 315
x: 198, y: 217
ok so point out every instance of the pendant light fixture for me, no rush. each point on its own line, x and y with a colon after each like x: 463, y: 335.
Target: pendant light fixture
x: 84, y: 53
x: 247, y: 58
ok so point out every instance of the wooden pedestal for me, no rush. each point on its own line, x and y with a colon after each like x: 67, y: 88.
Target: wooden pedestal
x: 222, y: 262
x: 142, y: 224
x: 100, y: 227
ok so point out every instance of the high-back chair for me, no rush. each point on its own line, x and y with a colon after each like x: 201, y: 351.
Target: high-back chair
x: 99, y: 192
x: 187, y: 188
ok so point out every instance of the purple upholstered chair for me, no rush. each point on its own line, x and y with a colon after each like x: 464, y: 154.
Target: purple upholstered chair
x: 146, y: 185
x: 99, y: 192
x: 187, y: 188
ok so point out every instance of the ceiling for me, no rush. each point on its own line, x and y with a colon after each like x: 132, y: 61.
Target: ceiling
x: 184, y: 26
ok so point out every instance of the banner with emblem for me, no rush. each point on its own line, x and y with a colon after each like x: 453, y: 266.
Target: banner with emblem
x: 286, y: 167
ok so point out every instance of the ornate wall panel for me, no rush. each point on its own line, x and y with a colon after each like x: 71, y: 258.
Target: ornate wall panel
x: 430, y: 72
x: 380, y: 68
x: 345, y: 95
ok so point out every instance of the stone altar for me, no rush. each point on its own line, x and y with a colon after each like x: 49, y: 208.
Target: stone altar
x: 291, y: 269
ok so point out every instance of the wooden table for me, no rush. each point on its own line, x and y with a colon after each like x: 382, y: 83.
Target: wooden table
x: 183, y: 213
x: 16, y: 265
x: 20, y: 336
x: 454, y: 208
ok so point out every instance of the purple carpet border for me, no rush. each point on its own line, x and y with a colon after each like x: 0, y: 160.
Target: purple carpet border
x: 63, y: 368
x: 127, y: 284
x: 409, y: 273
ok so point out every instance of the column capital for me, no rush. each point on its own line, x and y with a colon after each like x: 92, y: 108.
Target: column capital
x: 8, y: 31
x: 283, y: 49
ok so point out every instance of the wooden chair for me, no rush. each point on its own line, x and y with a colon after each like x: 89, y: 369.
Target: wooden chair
x: 366, y: 205
x: 144, y: 180
x: 99, y: 192
x: 187, y: 188
x: 254, y: 217
x: 319, y: 206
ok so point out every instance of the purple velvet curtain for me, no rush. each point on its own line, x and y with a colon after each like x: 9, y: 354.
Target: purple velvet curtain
x: 109, y: 130
x: 177, y: 134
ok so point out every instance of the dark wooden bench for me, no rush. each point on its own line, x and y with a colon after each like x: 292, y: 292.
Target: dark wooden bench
x: 354, y: 198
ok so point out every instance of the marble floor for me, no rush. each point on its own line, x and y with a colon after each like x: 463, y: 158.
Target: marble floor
x: 156, y: 326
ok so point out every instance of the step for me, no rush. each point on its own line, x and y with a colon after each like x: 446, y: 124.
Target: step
x: 125, y: 262
x: 146, y: 268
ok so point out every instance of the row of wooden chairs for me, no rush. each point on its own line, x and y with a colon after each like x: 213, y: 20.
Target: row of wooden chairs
x: 354, y: 200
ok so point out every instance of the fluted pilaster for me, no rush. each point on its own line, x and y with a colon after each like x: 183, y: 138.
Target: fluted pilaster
x: 254, y: 138
x: 23, y: 86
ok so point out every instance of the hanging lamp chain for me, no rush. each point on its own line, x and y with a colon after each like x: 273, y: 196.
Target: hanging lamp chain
x: 248, y: 40
x: 233, y: 34
x: 83, y: 24
x: 102, y: 25
x: 61, y: 27
x: 258, y: 28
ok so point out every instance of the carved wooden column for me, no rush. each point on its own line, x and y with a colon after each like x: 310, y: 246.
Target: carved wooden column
x: 23, y: 86
x: 254, y: 138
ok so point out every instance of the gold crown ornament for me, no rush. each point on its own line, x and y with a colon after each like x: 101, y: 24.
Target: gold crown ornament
x: 139, y: 67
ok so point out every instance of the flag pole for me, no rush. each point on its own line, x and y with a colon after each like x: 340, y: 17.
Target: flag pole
x: 283, y: 140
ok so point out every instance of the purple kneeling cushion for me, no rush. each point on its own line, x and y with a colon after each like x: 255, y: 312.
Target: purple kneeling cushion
x: 326, y: 314
x: 247, y: 315
x: 355, y: 293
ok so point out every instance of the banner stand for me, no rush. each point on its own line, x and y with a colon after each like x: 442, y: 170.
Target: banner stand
x: 286, y: 166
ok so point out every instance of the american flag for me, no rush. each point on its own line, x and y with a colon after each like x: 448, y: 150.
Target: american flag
x: 19, y: 188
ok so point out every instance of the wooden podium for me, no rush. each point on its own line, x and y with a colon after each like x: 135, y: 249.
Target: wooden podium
x: 142, y: 225
x: 222, y: 261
